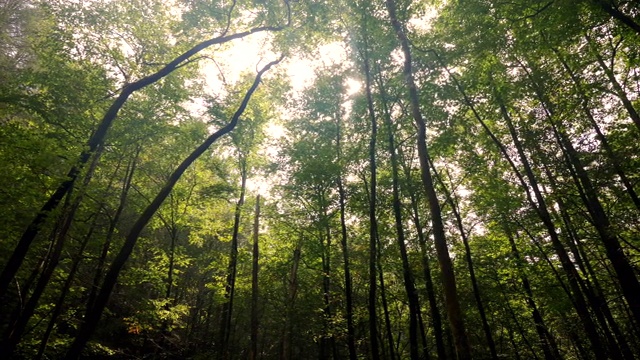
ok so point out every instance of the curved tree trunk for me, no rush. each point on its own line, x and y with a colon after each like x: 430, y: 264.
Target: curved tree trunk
x: 15, y: 332
x: 96, y: 140
x: 92, y: 318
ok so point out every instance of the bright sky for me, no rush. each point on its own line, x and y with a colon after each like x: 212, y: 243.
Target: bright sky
x: 250, y: 54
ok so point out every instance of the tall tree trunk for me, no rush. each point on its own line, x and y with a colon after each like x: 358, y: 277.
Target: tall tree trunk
x: 253, y: 355
x: 59, y: 305
x: 93, y: 317
x: 610, y: 8
x: 426, y: 267
x: 624, y: 270
x: 517, y: 323
x: 15, y: 332
x: 327, y: 342
x: 292, y: 292
x: 353, y: 355
x: 541, y: 209
x: 472, y: 273
x: 592, y: 288
x: 373, y: 222
x: 230, y: 287
x: 604, y: 143
x: 409, y: 284
x: 113, y: 222
x: 423, y: 336
x: 547, y: 341
x: 454, y: 312
x: 543, y: 212
x: 385, y: 305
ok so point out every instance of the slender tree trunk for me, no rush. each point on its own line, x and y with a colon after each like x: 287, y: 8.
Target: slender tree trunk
x: 345, y: 251
x: 58, y: 307
x: 92, y: 318
x: 14, y: 333
x: 604, y: 143
x: 472, y: 273
x: 426, y: 267
x: 23, y: 290
x: 590, y: 283
x: 423, y: 336
x: 541, y: 208
x: 624, y: 270
x: 409, y: 283
x: 433, y: 305
x: 454, y: 312
x: 328, y: 339
x: 518, y: 325
x: 113, y: 222
x: 373, y: 222
x: 227, y: 306
x: 608, y: 7
x: 291, y: 297
x: 253, y: 355
x: 567, y: 265
x: 173, y: 237
x: 622, y: 95
x: 513, y: 344
x: 385, y: 304
x: 547, y: 341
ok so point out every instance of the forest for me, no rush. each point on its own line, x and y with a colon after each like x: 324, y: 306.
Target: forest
x: 320, y: 179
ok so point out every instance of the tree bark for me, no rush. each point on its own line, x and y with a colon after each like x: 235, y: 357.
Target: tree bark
x: 608, y: 7
x: 15, y: 332
x: 253, y: 355
x: 624, y: 270
x: 351, y: 345
x: 385, y: 304
x: 58, y: 307
x: 604, y: 143
x: 547, y: 341
x: 426, y: 267
x: 291, y: 297
x: 409, y: 284
x: 113, y: 222
x: 373, y: 222
x: 472, y: 273
x: 567, y: 265
x: 230, y: 287
x: 454, y: 312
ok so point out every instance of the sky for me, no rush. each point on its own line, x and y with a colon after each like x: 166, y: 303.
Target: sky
x: 251, y: 53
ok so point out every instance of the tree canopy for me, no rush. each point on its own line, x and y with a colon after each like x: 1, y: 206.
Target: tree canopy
x: 330, y: 179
